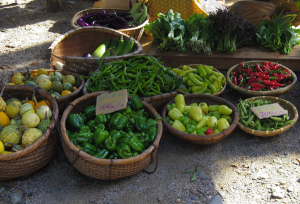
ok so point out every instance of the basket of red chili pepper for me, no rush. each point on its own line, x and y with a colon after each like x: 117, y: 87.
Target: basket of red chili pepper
x: 261, y: 78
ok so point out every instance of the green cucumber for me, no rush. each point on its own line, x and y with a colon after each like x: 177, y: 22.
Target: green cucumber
x: 99, y: 51
x: 143, y: 16
x: 114, y: 43
x: 119, y: 46
x: 106, y: 54
x: 135, y: 8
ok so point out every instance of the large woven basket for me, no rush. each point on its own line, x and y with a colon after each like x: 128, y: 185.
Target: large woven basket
x: 249, y: 93
x: 63, y: 101
x: 203, y: 139
x: 137, y: 31
x: 105, y: 169
x: 194, y: 66
x: 285, y: 105
x: 69, y: 48
x: 38, y: 154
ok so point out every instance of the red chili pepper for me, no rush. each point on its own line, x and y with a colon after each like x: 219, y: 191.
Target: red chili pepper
x: 240, y: 77
x: 258, y: 79
x: 252, y: 80
x: 287, y: 71
x: 243, y: 70
x: 234, y: 80
x: 241, y: 65
x: 254, y: 89
x: 275, y: 75
x: 234, y: 73
x: 209, y: 131
x: 289, y: 82
x: 257, y: 68
x: 265, y: 67
x: 261, y: 75
x: 257, y: 85
x: 273, y: 87
x: 268, y: 64
x: 269, y: 83
x: 276, y: 66
x: 250, y: 74
x: 265, y: 72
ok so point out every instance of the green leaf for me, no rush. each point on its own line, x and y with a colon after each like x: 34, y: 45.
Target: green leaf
x: 193, y: 177
x: 198, y: 169
x: 186, y: 172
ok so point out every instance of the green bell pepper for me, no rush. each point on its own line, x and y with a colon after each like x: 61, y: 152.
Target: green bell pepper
x: 217, y: 114
x: 212, y: 122
x: 127, y: 112
x: 169, y: 107
x: 225, y: 110
x: 201, y: 131
x: 134, y: 154
x: 115, y: 119
x: 129, y: 104
x: 92, y: 125
x: 131, y: 120
x: 100, y: 126
x: 202, y: 123
x: 169, y: 120
x: 108, y: 116
x: 75, y: 121
x: 179, y: 126
x: 81, y: 139
x: 204, y: 107
x: 88, y: 148
x: 222, y: 124
x: 135, y: 144
x: 144, y: 139
x: 136, y: 103
x: 186, y: 113
x: 124, y: 150
x: 90, y: 111
x: 85, y: 132
x: 140, y: 123
x: 102, y: 154
x: 114, y: 155
x: 101, y: 118
x: 115, y: 134
x: 129, y: 127
x: 122, y: 122
x: 84, y: 129
x: 72, y: 135
x: 151, y: 122
x: 190, y: 128
x: 227, y: 117
x: 100, y: 136
x: 213, y: 107
x: 193, y: 122
x: 151, y: 132
x: 74, y: 141
x: 173, y: 105
x: 110, y: 144
x: 184, y: 120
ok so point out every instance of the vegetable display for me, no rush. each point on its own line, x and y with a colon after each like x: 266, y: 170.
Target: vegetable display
x: 203, y: 80
x: 261, y: 76
x: 118, y: 135
x: 250, y: 120
x: 25, y: 127
x: 57, y: 84
x: 140, y: 75
x: 198, y: 119
x: 122, y: 20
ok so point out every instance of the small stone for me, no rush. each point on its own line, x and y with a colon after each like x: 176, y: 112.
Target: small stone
x: 16, y: 198
x: 285, y: 153
x: 192, y: 191
x: 216, y: 200
x: 277, y: 192
x: 2, y: 188
x: 91, y: 200
x: 278, y: 161
x: 202, y: 176
x: 178, y: 200
x: 290, y: 189
x: 192, y: 197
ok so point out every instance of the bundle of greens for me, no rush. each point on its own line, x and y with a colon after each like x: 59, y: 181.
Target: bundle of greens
x: 277, y: 33
x: 169, y: 31
x: 199, y: 28
x: 230, y: 32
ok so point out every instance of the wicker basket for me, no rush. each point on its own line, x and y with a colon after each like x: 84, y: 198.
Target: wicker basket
x: 203, y: 139
x: 249, y: 93
x: 105, y: 169
x: 85, y: 40
x: 63, y: 101
x: 194, y: 66
x: 285, y: 105
x: 137, y: 31
x: 38, y: 154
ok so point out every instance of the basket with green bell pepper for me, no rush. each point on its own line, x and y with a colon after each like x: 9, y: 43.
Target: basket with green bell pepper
x: 200, y: 79
x: 119, y: 135
x: 198, y: 119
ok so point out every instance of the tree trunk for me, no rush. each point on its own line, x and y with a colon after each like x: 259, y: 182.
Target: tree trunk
x: 53, y: 5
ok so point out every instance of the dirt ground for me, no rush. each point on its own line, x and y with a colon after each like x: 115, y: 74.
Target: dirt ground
x: 242, y: 168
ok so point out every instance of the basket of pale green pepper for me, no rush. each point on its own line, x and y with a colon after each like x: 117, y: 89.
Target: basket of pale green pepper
x: 131, y: 134
x: 199, y: 118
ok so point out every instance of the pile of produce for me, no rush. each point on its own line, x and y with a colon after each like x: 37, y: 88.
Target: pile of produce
x: 55, y: 83
x: 22, y: 123
x: 264, y: 76
x: 119, y: 135
x: 203, y: 80
x: 198, y: 119
x: 140, y: 75
x: 250, y: 120
x: 123, y: 20
x: 109, y: 48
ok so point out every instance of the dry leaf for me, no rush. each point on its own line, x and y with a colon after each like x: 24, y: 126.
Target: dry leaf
x: 11, y: 66
x: 234, y: 165
x: 33, y: 63
x: 3, y: 67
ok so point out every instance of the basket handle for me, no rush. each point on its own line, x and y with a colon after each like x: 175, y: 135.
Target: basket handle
x: 152, y: 158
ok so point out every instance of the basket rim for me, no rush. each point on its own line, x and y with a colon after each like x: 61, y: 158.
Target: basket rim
x: 201, y: 137
x: 117, y: 9
x: 260, y: 93
x: 94, y: 59
x: 274, y: 132
x: 216, y: 94
x: 58, y: 99
x: 110, y: 162
x: 46, y: 134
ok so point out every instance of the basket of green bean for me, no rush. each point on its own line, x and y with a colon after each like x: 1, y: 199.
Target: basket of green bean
x: 265, y: 127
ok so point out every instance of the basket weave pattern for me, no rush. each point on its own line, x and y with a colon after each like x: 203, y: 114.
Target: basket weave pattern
x: 105, y: 169
x: 137, y: 31
x: 38, y: 154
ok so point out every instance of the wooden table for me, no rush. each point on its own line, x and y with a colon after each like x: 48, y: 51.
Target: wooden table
x: 223, y: 61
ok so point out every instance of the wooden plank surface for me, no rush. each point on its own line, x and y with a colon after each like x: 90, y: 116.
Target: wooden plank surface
x: 222, y: 61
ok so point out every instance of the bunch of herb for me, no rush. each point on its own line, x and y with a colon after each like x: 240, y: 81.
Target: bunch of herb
x: 168, y: 30
x: 230, y: 31
x: 199, y: 28
x: 277, y: 33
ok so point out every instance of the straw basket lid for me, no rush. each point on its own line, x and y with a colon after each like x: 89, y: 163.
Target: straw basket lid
x: 194, y: 66
x: 84, y: 40
x: 285, y: 105
x: 203, y: 139
x: 250, y: 93
x: 106, y: 169
x: 137, y: 31
x: 38, y: 154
